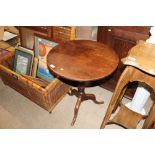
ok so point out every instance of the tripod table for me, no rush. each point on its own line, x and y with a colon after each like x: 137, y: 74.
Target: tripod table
x: 82, y: 61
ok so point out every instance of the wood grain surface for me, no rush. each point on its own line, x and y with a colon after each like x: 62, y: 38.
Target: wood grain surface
x: 82, y: 60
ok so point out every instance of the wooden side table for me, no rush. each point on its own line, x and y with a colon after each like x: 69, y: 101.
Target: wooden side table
x: 82, y: 61
x: 140, y: 66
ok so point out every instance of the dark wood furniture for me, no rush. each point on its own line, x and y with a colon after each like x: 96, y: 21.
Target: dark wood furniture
x: 121, y: 39
x: 27, y: 34
x: 62, y: 33
x: 82, y: 61
x: 140, y: 66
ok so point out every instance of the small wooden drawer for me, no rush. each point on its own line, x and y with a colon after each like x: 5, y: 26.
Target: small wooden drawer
x: 47, y: 97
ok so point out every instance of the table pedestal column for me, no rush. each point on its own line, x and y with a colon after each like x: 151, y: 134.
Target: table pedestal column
x: 82, y: 96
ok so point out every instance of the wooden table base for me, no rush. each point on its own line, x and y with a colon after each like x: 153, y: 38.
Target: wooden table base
x: 82, y: 96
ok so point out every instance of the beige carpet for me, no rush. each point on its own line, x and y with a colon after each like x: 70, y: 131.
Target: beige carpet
x: 16, y: 111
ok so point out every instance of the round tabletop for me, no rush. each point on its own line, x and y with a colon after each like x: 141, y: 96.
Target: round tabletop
x: 82, y: 60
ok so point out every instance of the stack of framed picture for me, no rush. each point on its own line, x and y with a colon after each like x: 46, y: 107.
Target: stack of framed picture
x: 33, y: 62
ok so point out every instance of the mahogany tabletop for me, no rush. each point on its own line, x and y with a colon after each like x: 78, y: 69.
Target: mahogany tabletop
x: 82, y: 60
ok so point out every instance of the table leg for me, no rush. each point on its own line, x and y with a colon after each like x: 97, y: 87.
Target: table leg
x: 73, y: 92
x: 76, y: 109
x: 82, y: 96
x: 91, y: 97
x: 150, y: 120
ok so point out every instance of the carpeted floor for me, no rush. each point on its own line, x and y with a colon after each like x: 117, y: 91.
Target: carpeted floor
x: 16, y: 111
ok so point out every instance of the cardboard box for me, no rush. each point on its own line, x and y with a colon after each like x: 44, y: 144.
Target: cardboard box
x: 1, y: 32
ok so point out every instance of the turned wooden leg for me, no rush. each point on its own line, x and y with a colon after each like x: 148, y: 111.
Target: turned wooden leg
x: 79, y: 94
x: 116, y: 96
x: 149, y: 122
x: 76, y: 109
x: 111, y: 107
x: 91, y: 97
x: 82, y: 96
x: 119, y: 99
x: 73, y: 92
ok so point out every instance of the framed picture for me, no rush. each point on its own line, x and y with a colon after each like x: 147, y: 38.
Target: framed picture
x: 4, y: 54
x: 42, y: 47
x: 23, y: 61
x: 34, y: 68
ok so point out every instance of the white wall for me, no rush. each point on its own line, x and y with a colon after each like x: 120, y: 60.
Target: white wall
x: 86, y: 32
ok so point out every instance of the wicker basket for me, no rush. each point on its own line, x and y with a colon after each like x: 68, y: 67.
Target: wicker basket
x: 63, y: 33
x: 47, y: 97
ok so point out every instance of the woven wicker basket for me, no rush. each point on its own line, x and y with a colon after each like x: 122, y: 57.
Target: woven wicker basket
x: 63, y: 33
x: 47, y: 97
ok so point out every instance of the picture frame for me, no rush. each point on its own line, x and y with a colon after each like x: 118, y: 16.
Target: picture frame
x: 23, y: 61
x: 5, y: 54
x: 42, y: 46
x: 34, y: 67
